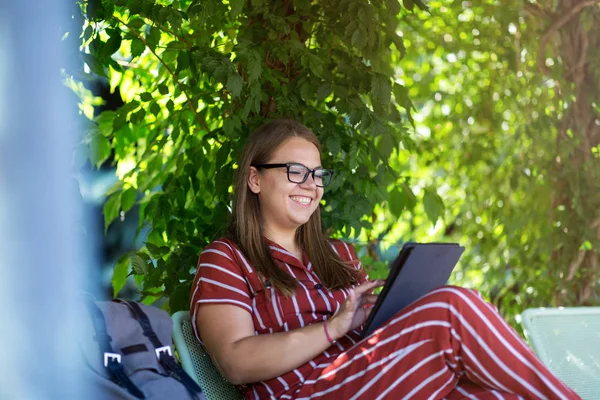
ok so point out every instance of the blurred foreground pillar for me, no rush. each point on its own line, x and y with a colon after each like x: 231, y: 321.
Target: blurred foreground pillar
x: 41, y: 249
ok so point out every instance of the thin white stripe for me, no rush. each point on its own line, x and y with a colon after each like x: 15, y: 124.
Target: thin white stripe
x: 269, y: 389
x: 275, y: 308
x: 255, y: 310
x: 197, y: 286
x: 448, y: 382
x: 224, y: 286
x: 284, y: 252
x: 214, y: 266
x: 194, y: 324
x: 294, y: 300
x: 299, y: 375
x: 425, y: 382
x: 497, y: 395
x: 219, y: 252
x: 244, y: 261
x: 312, y: 305
x: 284, y: 383
x: 309, y: 266
x: 207, y: 301
x: 334, y: 249
x: 348, y: 251
x: 224, y: 243
x: 465, y: 393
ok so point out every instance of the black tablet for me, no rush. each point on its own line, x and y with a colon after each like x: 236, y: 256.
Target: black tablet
x: 418, y: 269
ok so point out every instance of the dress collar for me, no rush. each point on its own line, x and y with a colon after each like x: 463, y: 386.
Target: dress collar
x: 281, y: 254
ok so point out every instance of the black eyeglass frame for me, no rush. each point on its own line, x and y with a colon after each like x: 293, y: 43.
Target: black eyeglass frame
x: 308, y: 171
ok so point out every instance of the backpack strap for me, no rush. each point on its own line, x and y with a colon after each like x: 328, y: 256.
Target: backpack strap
x: 112, y: 360
x: 163, y: 353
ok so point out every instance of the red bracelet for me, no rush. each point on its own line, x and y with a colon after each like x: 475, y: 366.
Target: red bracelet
x: 329, y: 339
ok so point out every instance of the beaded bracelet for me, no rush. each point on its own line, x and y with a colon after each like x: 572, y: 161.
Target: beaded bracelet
x: 329, y: 339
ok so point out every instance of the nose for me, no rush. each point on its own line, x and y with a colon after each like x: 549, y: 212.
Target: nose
x: 309, y: 183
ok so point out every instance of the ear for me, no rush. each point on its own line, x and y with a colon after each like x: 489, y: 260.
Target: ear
x: 254, y: 180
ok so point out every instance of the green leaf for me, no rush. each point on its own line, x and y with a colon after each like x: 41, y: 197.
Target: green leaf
x: 113, y: 43
x: 154, y: 108
x: 163, y: 89
x: 111, y: 209
x: 136, y: 23
x: 120, y: 274
x: 100, y: 150
x: 393, y: 6
x: 433, y: 204
x: 254, y: 66
x: 137, y: 47
x: 145, y: 96
x: 324, y: 91
x: 153, y: 249
x: 180, y: 298
x: 183, y: 61
x: 119, y: 121
x: 138, y: 265
x: 128, y: 199
x: 153, y: 37
x: 236, y: 7
x: 234, y: 83
x: 95, y: 65
x: 359, y: 39
x: 398, y: 201
x: 381, y: 88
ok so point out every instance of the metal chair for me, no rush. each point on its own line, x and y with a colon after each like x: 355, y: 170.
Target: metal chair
x: 197, y: 363
x: 567, y: 340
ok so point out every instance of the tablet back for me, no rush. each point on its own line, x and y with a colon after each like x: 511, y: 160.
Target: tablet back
x: 420, y: 268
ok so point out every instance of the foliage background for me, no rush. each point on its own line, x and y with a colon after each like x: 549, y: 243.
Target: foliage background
x: 475, y: 122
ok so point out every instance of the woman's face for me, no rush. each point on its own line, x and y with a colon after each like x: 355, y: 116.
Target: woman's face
x: 285, y: 205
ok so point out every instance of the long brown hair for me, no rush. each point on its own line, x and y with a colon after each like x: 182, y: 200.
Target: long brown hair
x: 246, y: 224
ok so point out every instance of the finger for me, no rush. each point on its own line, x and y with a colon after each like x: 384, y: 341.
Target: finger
x: 368, y: 286
x: 369, y: 299
x: 351, y: 299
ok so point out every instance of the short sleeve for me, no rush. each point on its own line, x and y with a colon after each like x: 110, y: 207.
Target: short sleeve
x: 220, y: 279
x: 347, y: 252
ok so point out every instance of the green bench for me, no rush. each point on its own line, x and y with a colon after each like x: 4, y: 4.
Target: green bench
x: 567, y: 340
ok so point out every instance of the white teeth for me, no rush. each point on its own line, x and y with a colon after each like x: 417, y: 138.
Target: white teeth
x: 301, y: 200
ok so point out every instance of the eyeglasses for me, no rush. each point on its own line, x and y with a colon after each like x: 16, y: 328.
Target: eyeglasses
x: 298, y: 173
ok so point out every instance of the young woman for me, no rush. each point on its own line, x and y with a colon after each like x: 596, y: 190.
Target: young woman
x: 278, y: 305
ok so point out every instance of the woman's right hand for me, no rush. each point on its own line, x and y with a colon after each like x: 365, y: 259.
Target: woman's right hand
x: 355, y: 310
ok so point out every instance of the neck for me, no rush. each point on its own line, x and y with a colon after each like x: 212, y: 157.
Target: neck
x: 286, y: 239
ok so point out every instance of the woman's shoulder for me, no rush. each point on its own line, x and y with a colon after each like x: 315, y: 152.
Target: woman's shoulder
x: 220, y: 250
x: 222, y: 244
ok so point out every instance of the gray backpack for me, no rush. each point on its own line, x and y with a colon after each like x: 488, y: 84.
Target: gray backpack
x: 127, y: 350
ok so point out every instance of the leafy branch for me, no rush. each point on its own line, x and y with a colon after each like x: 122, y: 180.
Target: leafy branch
x: 173, y: 75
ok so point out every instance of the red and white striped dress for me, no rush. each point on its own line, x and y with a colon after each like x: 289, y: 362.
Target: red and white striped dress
x: 449, y: 344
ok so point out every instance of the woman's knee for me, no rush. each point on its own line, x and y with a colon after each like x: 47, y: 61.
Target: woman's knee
x: 455, y: 295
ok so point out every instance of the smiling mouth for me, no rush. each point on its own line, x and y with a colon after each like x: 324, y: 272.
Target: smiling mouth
x: 301, y: 199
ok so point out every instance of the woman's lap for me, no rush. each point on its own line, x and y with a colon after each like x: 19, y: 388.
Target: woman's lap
x: 449, y: 336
